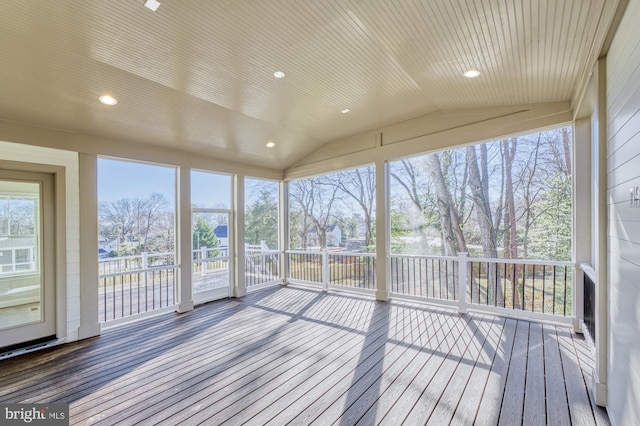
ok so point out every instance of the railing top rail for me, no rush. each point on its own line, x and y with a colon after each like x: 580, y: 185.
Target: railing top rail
x: 211, y: 259
x: 489, y: 260
x: 133, y: 256
x: 351, y: 254
x: 138, y: 271
x: 266, y: 253
x: 421, y: 256
x: 303, y: 251
x: 521, y: 261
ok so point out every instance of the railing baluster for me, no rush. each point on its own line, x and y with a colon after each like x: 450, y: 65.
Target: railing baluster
x: 513, y: 287
x: 533, y: 288
x: 554, y: 290
x: 524, y: 270
x: 564, y: 302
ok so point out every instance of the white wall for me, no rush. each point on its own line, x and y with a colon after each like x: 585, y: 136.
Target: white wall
x: 623, y: 172
x: 68, y: 160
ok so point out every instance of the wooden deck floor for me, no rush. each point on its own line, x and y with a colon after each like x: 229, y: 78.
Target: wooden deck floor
x: 298, y: 356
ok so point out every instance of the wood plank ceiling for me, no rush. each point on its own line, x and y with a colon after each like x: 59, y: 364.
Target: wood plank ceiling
x: 198, y: 75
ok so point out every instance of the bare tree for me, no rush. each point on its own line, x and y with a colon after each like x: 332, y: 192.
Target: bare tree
x: 317, y: 205
x: 360, y: 185
x: 133, y: 218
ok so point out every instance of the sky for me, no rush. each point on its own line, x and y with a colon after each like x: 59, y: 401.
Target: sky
x: 126, y: 179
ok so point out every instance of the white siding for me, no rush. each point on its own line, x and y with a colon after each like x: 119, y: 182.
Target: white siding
x: 68, y: 160
x: 623, y: 169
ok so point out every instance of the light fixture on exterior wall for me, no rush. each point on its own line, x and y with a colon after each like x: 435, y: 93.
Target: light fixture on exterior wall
x: 471, y: 73
x: 270, y: 144
x: 346, y: 110
x: 152, y: 5
x: 108, y: 100
x: 278, y: 74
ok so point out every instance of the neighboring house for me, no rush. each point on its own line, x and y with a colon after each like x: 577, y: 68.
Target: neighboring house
x: 334, y: 237
x: 222, y: 234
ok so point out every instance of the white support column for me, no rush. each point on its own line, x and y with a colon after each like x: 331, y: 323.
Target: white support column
x: 184, y: 244
x: 88, y: 175
x: 240, y: 286
x: 599, y: 182
x: 283, y: 231
x: 383, y: 268
x: 582, y: 213
x: 462, y: 282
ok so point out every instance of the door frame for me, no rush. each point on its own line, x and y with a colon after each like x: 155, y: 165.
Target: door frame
x: 218, y: 293
x: 59, y: 235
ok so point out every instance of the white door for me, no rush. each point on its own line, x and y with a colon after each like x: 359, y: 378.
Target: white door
x: 27, y: 257
x: 212, y: 254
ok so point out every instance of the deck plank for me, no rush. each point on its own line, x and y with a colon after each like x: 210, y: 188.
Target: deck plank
x: 534, y: 402
x: 431, y: 394
x: 297, y: 355
x: 513, y: 400
x: 577, y: 395
x: 586, y: 354
x: 471, y: 397
x: 493, y: 393
x: 447, y: 404
x: 557, y: 412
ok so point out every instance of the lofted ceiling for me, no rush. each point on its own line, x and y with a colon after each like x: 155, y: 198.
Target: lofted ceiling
x: 198, y: 75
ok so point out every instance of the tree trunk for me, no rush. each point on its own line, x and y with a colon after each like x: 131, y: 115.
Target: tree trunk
x: 511, y: 243
x: 453, y: 240
x: 479, y: 185
x: 566, y: 145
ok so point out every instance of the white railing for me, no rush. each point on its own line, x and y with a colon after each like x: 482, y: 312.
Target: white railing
x: 127, y: 293
x: 539, y: 289
x: 430, y: 277
x: 332, y: 268
x: 131, y: 285
x: 210, y: 260
x: 261, y: 268
x: 531, y: 288
x: 20, y: 262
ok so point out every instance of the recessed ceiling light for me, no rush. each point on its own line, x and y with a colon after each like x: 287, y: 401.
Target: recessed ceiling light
x: 108, y: 100
x: 278, y: 74
x: 346, y: 110
x: 471, y: 73
x: 270, y: 144
x: 152, y: 5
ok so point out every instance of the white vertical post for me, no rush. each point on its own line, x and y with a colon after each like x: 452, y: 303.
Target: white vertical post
x: 325, y: 269
x: 89, y: 283
x: 600, y: 226
x: 145, y: 265
x: 582, y: 223
x: 240, y: 278
x: 283, y: 231
x: 462, y: 282
x: 383, y: 262
x: 184, y: 247
x: 203, y: 257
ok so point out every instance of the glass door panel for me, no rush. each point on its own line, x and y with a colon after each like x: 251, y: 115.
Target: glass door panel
x: 211, y: 260
x: 27, y: 299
